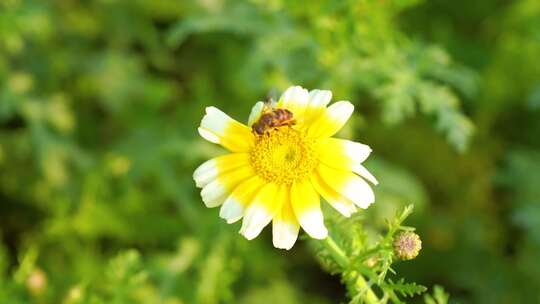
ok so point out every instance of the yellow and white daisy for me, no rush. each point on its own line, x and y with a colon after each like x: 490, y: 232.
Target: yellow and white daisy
x: 280, y: 175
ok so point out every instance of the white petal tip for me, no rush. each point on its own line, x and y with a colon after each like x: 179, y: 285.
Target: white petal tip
x: 363, y: 172
x: 313, y: 223
x: 233, y: 220
x: 284, y: 234
x: 213, y: 194
x: 205, y: 173
x: 256, y: 112
x: 255, y: 219
x: 294, y: 96
x: 249, y: 235
x: 341, y: 110
x: 344, y: 208
x: 320, y: 235
x: 231, y: 211
x: 214, y: 124
x: 286, y: 247
x: 320, y: 98
x: 346, y: 105
x: 213, y: 204
x: 360, y: 193
x: 211, y: 137
x: 211, y: 109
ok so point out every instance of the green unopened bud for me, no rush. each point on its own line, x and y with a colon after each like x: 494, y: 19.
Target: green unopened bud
x: 407, y: 245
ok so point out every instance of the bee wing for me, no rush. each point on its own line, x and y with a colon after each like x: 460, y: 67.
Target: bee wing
x: 256, y: 112
x: 270, y: 103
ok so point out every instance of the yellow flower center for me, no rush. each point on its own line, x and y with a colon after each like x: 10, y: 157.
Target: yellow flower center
x: 283, y: 155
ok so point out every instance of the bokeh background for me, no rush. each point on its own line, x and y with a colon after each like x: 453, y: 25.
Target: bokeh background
x: 100, y: 101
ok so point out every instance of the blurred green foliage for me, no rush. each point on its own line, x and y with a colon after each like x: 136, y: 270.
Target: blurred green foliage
x: 99, y: 104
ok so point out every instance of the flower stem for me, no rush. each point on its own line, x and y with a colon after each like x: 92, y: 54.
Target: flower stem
x: 336, y: 252
x: 343, y: 261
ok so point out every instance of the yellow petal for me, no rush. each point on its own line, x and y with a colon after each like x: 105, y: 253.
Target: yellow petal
x: 332, y: 120
x: 318, y: 100
x: 259, y: 213
x: 214, y: 194
x: 285, y: 227
x: 306, y: 206
x: 235, y: 204
x: 211, y: 169
x: 345, y: 155
x: 348, y: 185
x: 219, y: 128
x: 363, y: 172
x: 295, y: 99
x: 340, y: 203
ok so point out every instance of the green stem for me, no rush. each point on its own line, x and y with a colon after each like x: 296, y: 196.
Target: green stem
x: 336, y: 252
x: 343, y: 261
x: 371, y: 297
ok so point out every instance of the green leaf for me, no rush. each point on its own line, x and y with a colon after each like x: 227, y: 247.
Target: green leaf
x: 439, y: 296
x: 403, y: 288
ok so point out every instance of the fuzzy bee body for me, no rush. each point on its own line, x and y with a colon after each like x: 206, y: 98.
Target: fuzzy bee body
x: 271, y: 119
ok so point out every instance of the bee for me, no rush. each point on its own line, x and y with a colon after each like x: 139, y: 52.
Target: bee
x: 272, y: 118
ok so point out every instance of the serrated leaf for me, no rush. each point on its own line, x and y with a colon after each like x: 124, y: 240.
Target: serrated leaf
x: 405, y: 289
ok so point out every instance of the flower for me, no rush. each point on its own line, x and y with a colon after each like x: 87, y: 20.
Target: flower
x: 407, y: 245
x: 279, y: 175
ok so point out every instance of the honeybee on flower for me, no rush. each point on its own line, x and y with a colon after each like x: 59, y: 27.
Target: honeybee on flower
x: 281, y: 163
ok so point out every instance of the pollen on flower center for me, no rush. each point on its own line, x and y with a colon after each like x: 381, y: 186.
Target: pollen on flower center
x: 283, y: 155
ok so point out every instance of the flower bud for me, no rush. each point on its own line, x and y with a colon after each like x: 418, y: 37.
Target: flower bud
x: 36, y: 282
x: 74, y: 295
x: 407, y: 245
